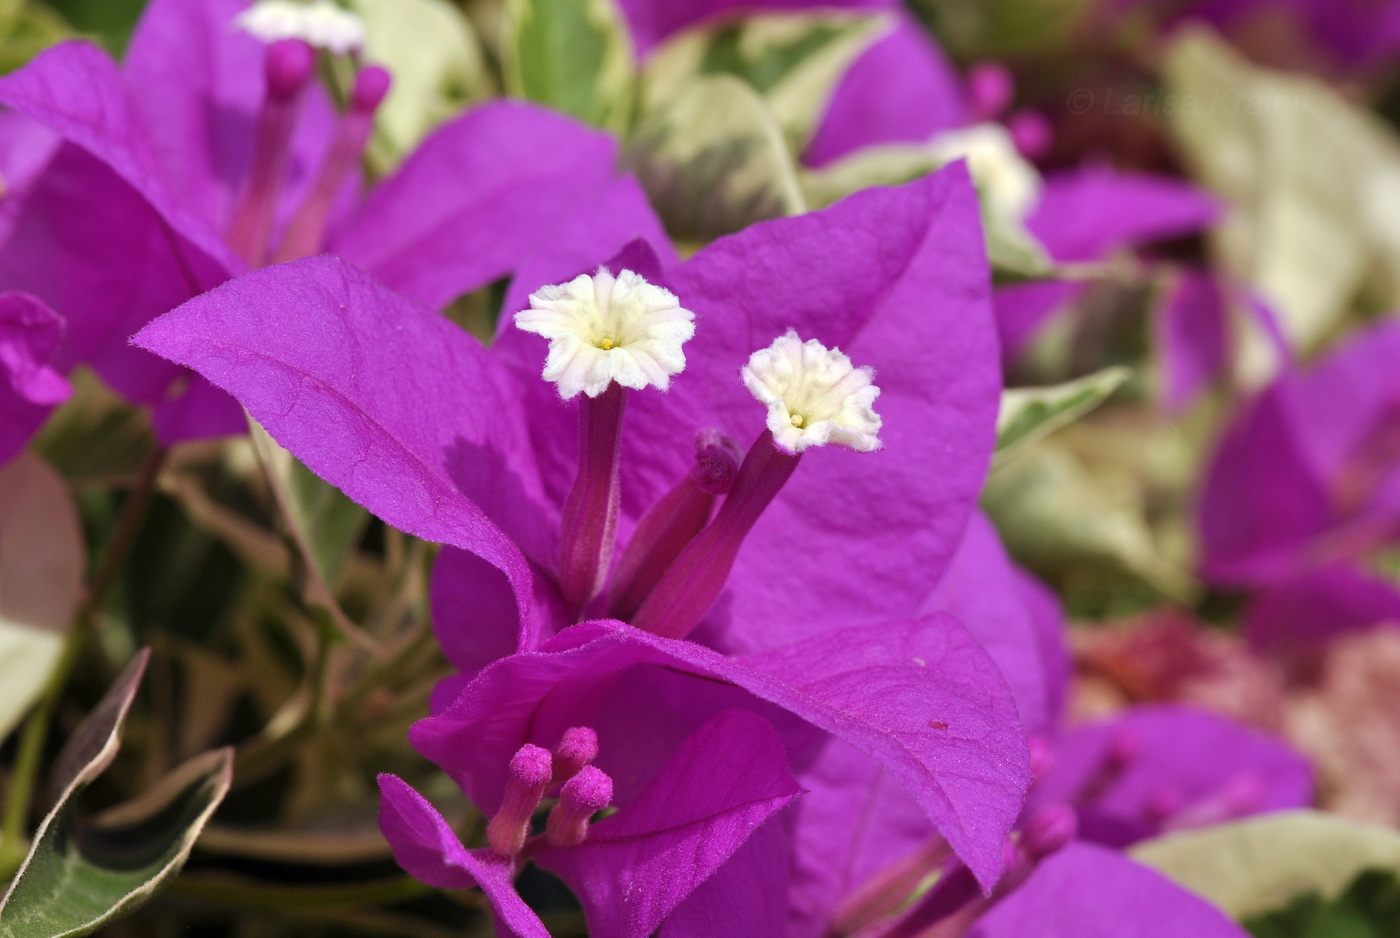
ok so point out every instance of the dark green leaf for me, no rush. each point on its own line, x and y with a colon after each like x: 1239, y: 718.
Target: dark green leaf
x: 79, y: 875
x: 573, y: 55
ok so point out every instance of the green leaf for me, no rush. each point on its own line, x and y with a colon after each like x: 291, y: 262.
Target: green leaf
x: 1368, y: 908
x: 573, y: 55
x: 437, y: 62
x: 994, y: 29
x: 1083, y: 528
x: 713, y: 160
x: 1261, y: 864
x: 41, y: 580
x: 79, y: 876
x: 322, y: 524
x: 1028, y: 414
x: 95, y: 437
x: 1306, y: 173
x: 26, y: 29
x: 792, y: 60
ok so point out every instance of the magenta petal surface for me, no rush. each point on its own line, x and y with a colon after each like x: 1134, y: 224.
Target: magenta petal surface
x: 480, y: 194
x: 982, y: 590
x: 425, y: 846
x: 651, y: 21
x: 76, y: 90
x: 745, y: 898
x: 1298, y: 614
x: 200, y: 82
x: 637, y: 866
x: 1183, y: 757
x: 1086, y: 214
x: 391, y: 403
x: 1084, y: 891
x: 476, y: 617
x: 901, y: 90
x: 852, y: 821
x: 1191, y: 336
x: 897, y: 279
x: 29, y: 387
x: 920, y: 698
x: 1265, y: 495
x: 63, y: 250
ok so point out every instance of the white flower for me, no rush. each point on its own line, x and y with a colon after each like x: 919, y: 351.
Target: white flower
x: 320, y: 23
x: 1008, y: 183
x: 603, y: 329
x: 814, y: 395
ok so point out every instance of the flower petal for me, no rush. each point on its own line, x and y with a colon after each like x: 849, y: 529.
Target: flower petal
x: 1181, y: 757
x: 920, y: 698
x: 1085, y: 891
x: 637, y: 866
x: 391, y: 403
x: 425, y: 846
x: 76, y: 90
x: 29, y: 387
x: 479, y: 195
x: 902, y: 89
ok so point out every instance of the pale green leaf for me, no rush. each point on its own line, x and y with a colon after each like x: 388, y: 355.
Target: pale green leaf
x: 1305, y: 173
x: 1260, y: 864
x: 713, y: 160
x: 1082, y: 528
x: 41, y: 578
x: 889, y: 164
x: 792, y: 60
x: 436, y: 59
x: 572, y: 55
x: 26, y: 29
x: 1027, y: 414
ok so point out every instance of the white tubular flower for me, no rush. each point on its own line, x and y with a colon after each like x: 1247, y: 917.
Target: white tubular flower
x: 320, y: 23
x: 814, y: 395
x: 603, y: 329
x: 1008, y: 183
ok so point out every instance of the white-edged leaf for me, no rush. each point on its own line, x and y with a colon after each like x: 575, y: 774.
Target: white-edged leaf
x: 1260, y: 864
x: 79, y: 875
x: 41, y: 580
x: 713, y: 160
x: 1306, y: 174
x: 572, y: 55
x: 1028, y: 414
x: 792, y: 60
x: 1071, y: 522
